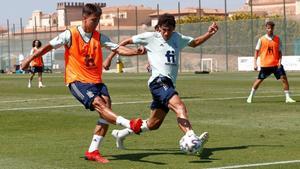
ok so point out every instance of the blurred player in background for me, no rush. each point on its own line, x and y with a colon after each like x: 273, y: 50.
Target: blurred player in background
x: 36, y: 65
x: 83, y: 73
x: 163, y: 47
x: 269, y: 49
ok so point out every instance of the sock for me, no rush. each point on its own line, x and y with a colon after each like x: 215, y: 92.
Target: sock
x: 252, y: 93
x: 287, y: 94
x: 126, y: 132
x: 123, y: 122
x: 96, y: 141
x: 190, y: 133
x: 144, y: 126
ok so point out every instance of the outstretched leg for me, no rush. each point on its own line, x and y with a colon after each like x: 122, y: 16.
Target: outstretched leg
x: 30, y: 79
x: 255, y: 86
x: 286, y: 88
x: 155, y: 120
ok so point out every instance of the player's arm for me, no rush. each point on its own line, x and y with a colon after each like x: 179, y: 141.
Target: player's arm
x: 255, y: 59
x: 256, y: 54
x: 122, y: 50
x: 39, y: 53
x: 280, y: 54
x: 212, y: 29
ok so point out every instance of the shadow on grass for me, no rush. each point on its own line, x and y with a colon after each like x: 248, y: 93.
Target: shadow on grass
x: 138, y: 157
x: 207, y: 152
x: 204, y: 157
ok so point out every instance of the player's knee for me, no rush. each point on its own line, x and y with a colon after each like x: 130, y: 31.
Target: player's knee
x: 99, y: 104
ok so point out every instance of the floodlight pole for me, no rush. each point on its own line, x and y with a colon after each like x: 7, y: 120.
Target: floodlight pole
x: 226, y: 38
x: 252, y: 34
x: 200, y: 32
x: 284, y: 26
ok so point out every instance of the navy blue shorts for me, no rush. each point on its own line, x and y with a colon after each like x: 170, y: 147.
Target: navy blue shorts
x: 267, y: 71
x: 86, y: 92
x: 162, y: 90
x: 36, y: 69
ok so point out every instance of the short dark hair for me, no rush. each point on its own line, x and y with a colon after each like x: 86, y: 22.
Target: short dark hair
x: 90, y: 9
x: 156, y: 27
x: 270, y: 23
x: 39, y: 43
x: 167, y: 20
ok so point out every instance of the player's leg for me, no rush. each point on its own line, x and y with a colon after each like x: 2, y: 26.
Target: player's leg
x: 255, y: 86
x: 263, y: 74
x: 98, y: 137
x: 286, y: 88
x: 285, y: 82
x: 40, y: 78
x: 32, y: 73
x: 155, y: 120
x: 177, y: 105
x: 280, y: 73
x: 88, y: 95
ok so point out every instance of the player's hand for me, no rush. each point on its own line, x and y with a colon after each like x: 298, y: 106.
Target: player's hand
x: 106, y: 64
x: 255, y: 67
x: 213, y: 28
x: 141, y: 50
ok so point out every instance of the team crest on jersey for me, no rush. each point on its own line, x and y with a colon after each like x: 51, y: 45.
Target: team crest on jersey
x: 90, y: 94
x: 170, y: 55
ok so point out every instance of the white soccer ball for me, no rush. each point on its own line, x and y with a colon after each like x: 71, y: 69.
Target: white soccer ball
x: 190, y: 144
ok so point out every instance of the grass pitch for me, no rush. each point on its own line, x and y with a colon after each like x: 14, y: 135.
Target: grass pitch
x: 48, y: 129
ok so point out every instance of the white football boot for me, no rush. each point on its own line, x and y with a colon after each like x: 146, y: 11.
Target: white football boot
x: 119, y: 140
x: 29, y: 84
x: 289, y: 100
x: 41, y: 85
x: 249, y: 100
x: 203, y: 138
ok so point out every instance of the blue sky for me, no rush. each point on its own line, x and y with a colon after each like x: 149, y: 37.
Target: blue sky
x: 14, y: 9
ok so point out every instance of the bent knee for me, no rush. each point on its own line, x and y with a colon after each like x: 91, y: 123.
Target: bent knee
x: 98, y: 103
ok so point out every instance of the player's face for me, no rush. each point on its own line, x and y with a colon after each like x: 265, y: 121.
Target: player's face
x: 269, y: 29
x: 166, y: 31
x: 36, y: 43
x: 90, y: 22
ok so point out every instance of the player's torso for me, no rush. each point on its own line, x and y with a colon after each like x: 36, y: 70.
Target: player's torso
x: 84, y: 59
x: 269, y: 51
x: 163, y: 55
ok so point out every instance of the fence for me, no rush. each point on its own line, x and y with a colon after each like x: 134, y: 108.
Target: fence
x: 234, y: 39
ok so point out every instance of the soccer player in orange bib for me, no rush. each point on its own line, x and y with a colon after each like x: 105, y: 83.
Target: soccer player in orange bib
x: 269, y: 49
x: 83, y: 73
x: 36, y: 65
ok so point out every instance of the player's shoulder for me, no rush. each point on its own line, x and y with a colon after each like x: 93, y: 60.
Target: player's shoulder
x: 149, y: 34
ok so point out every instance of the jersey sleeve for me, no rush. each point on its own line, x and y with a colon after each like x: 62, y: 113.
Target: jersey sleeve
x: 258, y: 45
x: 31, y: 51
x: 63, y: 38
x: 143, y: 38
x: 184, y: 40
x: 107, y: 43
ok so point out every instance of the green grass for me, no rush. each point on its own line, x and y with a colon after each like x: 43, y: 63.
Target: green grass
x: 35, y: 133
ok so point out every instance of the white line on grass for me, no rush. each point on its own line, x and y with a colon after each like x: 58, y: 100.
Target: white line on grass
x: 28, y: 100
x: 135, y: 102
x: 257, y: 164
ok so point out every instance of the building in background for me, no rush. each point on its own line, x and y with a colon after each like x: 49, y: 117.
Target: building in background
x: 39, y: 20
x: 128, y: 15
x: 272, y: 7
x: 66, y: 13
